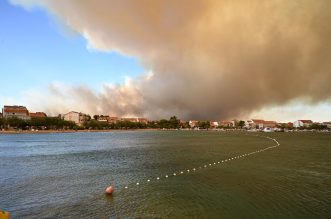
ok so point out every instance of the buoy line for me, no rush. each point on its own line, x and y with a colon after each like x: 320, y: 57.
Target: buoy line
x: 194, y: 169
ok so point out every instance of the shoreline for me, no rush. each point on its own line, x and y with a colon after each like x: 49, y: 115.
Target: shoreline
x: 15, y: 132
x: 69, y: 131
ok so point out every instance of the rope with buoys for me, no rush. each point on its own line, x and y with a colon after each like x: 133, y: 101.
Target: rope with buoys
x: 110, y: 189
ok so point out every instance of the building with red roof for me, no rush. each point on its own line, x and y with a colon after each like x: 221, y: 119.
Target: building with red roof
x: 20, y: 112
x: 38, y: 115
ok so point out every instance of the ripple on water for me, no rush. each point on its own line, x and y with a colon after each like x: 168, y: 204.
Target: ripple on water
x: 66, y: 178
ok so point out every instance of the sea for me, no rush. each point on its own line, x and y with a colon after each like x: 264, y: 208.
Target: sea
x: 166, y: 174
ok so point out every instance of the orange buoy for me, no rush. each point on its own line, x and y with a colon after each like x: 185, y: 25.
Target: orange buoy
x: 109, y: 190
x: 4, y: 214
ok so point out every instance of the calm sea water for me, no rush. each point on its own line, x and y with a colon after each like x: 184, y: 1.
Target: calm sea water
x: 65, y: 175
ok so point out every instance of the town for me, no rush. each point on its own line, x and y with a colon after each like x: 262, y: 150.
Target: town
x: 20, y: 118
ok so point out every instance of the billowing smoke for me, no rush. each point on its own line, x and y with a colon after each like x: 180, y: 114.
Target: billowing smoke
x: 210, y: 59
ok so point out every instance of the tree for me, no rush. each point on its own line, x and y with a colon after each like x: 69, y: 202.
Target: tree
x: 174, y: 122
x: 241, y: 123
x: 51, y: 123
x: 204, y: 124
x: 185, y: 125
x: 2, y: 123
x: 94, y: 124
x: 88, y: 117
x: 17, y: 123
x: 318, y: 126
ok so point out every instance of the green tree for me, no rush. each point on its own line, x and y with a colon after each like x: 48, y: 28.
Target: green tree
x: 2, y: 123
x: 174, y: 122
x: 317, y: 126
x: 17, y: 123
x: 204, y: 124
x: 241, y: 123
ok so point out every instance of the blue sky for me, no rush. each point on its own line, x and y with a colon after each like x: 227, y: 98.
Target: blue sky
x: 35, y: 51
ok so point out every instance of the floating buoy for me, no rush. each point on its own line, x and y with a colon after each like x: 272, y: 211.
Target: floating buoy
x: 4, y: 214
x: 109, y: 190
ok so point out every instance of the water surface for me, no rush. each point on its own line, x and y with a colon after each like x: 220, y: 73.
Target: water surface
x: 64, y: 175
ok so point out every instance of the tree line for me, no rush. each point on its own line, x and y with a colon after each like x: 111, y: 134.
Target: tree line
x: 37, y: 123
x: 57, y: 123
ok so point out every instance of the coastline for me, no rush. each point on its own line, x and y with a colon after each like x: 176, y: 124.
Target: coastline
x: 69, y: 131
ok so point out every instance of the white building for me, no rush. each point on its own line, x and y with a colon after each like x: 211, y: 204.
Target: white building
x: 103, y: 118
x: 254, y: 123
x: 260, y: 124
x: 77, y: 118
x: 227, y: 123
x: 268, y: 129
x: 214, y: 124
x: 193, y: 123
x: 328, y: 124
x: 302, y: 123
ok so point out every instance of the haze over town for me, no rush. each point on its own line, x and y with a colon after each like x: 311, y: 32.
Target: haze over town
x: 206, y: 60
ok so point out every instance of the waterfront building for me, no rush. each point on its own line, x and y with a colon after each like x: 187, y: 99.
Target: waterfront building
x: 143, y: 120
x: 76, y: 117
x: 113, y: 119
x: 328, y: 124
x: 20, y: 112
x: 214, y: 124
x: 227, y: 123
x: 260, y: 124
x: 254, y: 123
x: 193, y: 123
x: 129, y: 119
x: 38, y: 115
x: 302, y: 123
x: 102, y: 118
x: 269, y: 124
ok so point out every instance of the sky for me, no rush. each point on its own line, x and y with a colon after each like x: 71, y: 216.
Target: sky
x: 35, y: 50
x: 208, y: 60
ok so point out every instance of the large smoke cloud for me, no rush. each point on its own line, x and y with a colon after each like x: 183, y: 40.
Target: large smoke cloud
x: 210, y: 59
